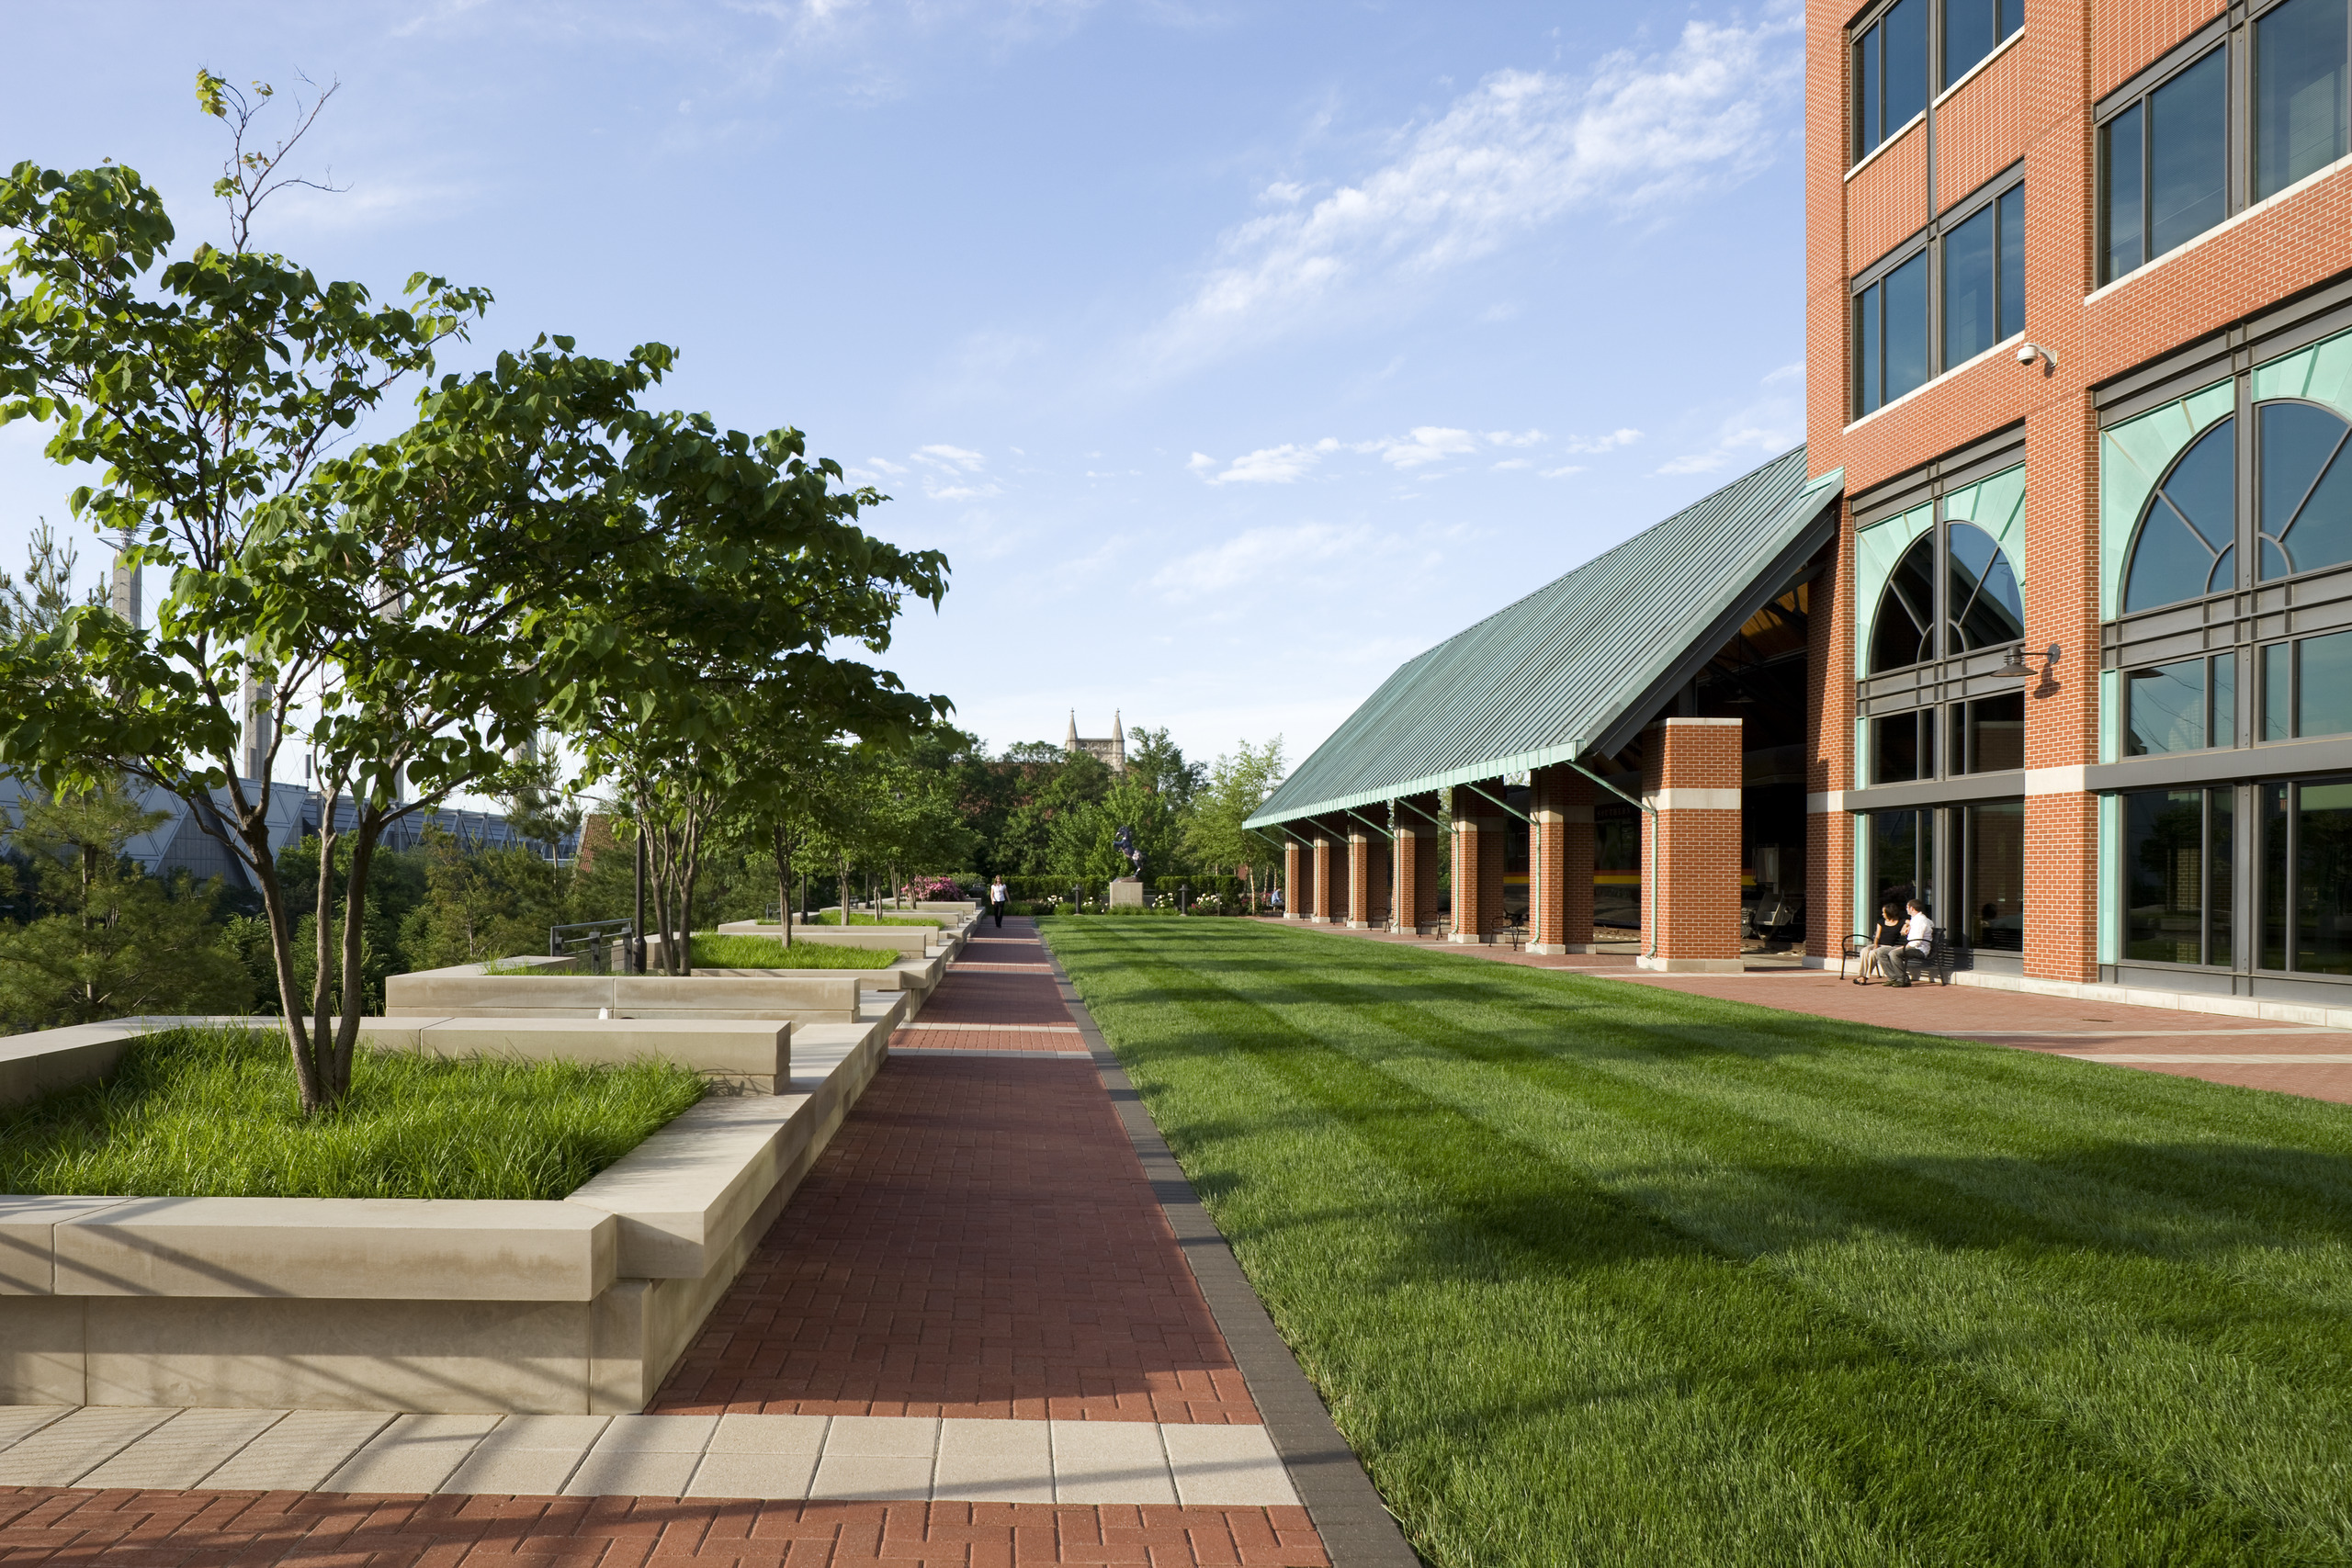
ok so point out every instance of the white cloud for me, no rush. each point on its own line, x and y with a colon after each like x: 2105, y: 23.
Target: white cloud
x: 1786, y: 373
x: 954, y: 459
x: 1524, y: 438
x: 1562, y: 473
x: 1765, y: 428
x: 884, y: 465
x: 1608, y: 443
x: 1273, y: 465
x: 1519, y: 151
x: 1250, y: 557
x: 958, y: 492
x: 1283, y: 193
x: 1514, y: 463
x: 1428, y: 444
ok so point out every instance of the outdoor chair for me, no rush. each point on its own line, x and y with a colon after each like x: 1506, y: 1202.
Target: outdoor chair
x: 1934, y: 964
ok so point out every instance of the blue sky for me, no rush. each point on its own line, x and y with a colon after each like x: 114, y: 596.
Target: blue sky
x: 1232, y: 353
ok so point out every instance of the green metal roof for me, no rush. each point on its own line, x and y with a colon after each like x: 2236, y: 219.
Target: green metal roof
x: 1578, y: 666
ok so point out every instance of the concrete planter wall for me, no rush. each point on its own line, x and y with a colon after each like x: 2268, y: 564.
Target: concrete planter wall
x: 577, y: 1305
x: 822, y: 996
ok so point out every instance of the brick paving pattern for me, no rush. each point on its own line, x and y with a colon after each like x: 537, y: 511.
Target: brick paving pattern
x: 977, y: 1241
x: 247, y: 1529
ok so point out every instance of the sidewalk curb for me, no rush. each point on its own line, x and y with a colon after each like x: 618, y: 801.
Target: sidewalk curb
x: 1356, y: 1527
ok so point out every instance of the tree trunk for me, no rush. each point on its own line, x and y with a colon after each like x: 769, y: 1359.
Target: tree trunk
x: 782, y: 842
x: 844, y: 893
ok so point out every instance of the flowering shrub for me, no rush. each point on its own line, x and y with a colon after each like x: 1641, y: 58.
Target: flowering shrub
x: 934, y: 888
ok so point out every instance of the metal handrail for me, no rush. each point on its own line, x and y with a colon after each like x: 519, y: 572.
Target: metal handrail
x: 595, y: 941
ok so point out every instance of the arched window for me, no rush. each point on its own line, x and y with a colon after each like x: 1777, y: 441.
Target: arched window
x: 1982, y: 594
x: 1906, y: 610
x: 2183, y: 548
x: 2306, y: 500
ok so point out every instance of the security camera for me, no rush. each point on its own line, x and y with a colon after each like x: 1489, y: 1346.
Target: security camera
x: 2027, y: 352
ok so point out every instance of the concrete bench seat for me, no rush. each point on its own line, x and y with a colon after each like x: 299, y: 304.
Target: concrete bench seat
x: 830, y: 996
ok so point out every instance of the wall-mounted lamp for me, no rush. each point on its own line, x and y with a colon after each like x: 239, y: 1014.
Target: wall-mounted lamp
x: 2029, y: 352
x: 2016, y: 668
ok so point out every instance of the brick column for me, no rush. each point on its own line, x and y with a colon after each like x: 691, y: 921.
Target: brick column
x: 1332, y: 853
x: 2062, y: 708
x: 1295, y: 891
x: 1320, y: 879
x: 1690, y: 780
x: 1478, y: 875
x: 1559, y: 862
x: 1367, y: 879
x: 1416, y: 864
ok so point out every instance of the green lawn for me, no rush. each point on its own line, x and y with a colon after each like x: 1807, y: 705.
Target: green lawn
x: 212, y: 1112
x: 734, y: 950
x: 1599, y: 1274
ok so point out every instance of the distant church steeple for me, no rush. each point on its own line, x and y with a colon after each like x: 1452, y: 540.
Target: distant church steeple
x: 1111, y: 750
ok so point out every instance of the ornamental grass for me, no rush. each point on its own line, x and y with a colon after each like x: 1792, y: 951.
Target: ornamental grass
x: 212, y: 1112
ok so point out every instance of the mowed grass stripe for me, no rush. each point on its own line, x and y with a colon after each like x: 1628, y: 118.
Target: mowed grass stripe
x: 1925, y: 1371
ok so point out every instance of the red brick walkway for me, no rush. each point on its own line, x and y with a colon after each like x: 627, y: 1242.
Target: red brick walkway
x: 978, y: 1240
x: 247, y: 1529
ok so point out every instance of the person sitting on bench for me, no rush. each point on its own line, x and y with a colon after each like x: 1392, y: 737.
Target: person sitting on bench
x: 1918, y: 940
x: 1885, y: 937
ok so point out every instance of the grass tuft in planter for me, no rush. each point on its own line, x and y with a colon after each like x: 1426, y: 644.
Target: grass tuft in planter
x: 737, y: 952
x: 211, y: 1113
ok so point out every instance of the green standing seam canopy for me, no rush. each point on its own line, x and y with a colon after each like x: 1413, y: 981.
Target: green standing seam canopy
x: 1577, y: 667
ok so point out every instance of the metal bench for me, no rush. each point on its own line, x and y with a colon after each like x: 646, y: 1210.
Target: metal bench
x: 1936, y: 963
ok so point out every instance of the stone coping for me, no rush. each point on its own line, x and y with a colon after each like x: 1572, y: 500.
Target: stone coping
x: 906, y: 938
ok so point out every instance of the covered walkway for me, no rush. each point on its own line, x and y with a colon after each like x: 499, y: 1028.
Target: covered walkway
x: 1625, y: 750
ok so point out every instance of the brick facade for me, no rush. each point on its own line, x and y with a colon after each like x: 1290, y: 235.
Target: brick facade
x: 1691, y: 849
x: 2034, y: 103
x: 1560, y: 861
x: 1416, y: 868
x: 1295, y: 865
x: 1368, y: 879
x: 1478, y: 874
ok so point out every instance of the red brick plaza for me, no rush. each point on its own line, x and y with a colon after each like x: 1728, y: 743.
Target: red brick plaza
x: 979, y: 1241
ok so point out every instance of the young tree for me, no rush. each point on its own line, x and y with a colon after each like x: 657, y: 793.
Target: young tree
x: 536, y: 549
x: 1158, y: 762
x: 46, y: 593
x: 1238, y: 786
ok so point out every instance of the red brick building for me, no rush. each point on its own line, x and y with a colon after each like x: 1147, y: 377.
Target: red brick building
x: 2076, y: 648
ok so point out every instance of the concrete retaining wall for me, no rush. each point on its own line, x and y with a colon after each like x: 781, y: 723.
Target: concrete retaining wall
x: 578, y: 1305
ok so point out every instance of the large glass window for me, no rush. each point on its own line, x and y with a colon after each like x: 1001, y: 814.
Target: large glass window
x: 2307, y: 870
x: 2164, y: 164
x: 1891, y: 335
x: 2305, y: 504
x: 1903, y: 747
x: 1984, y: 606
x: 1991, y: 859
x: 1902, y: 633
x: 2299, y: 52
x: 1973, y: 29
x: 1902, y: 854
x: 1987, y: 609
x: 2307, y: 687
x: 1890, y: 74
x: 1984, y: 278
x: 2186, y: 705
x: 1988, y: 735
x: 2184, y: 547
x: 2177, y: 876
